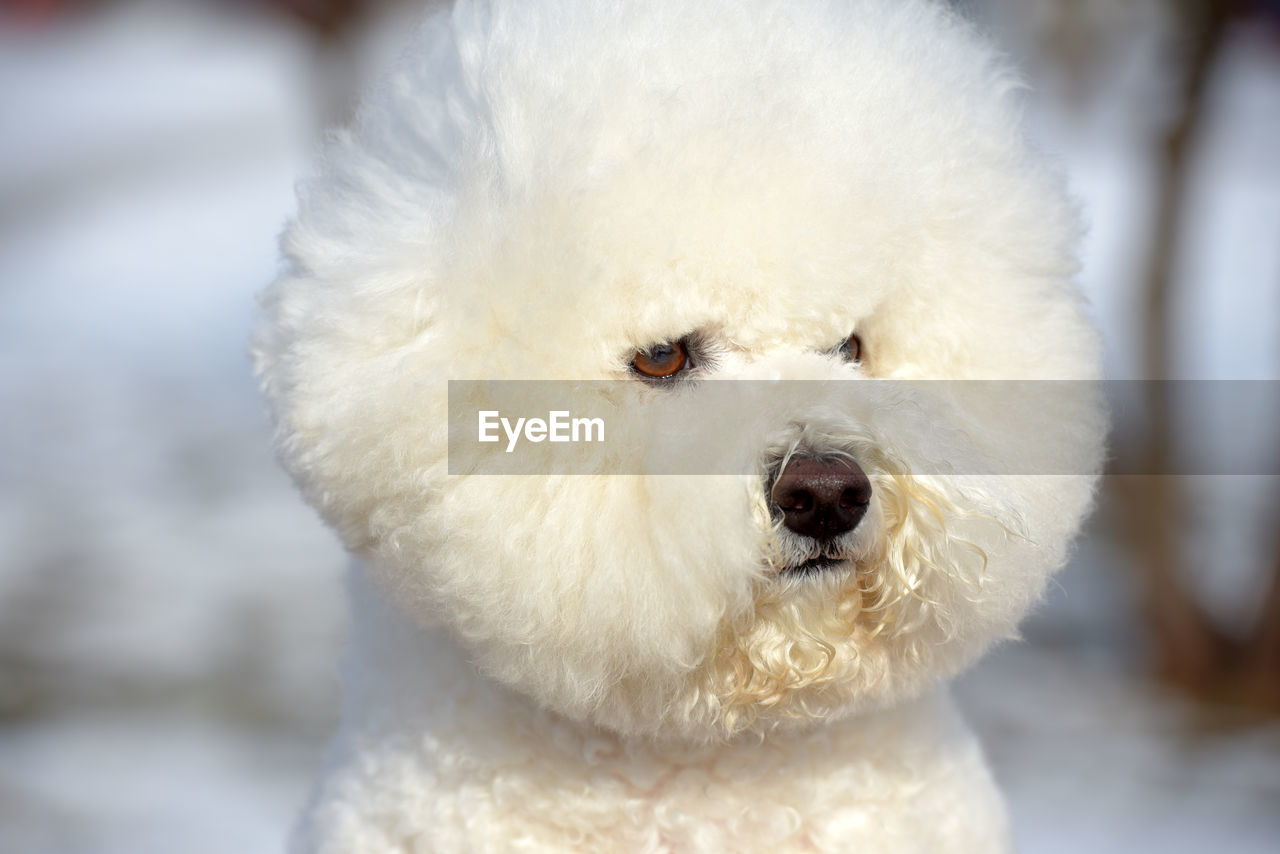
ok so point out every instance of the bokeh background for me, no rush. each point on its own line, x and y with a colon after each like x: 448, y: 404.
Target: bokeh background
x: 171, y: 614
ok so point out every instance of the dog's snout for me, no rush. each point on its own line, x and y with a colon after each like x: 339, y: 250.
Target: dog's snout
x: 821, y: 499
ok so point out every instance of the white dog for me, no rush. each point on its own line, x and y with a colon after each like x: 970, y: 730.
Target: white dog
x: 659, y: 195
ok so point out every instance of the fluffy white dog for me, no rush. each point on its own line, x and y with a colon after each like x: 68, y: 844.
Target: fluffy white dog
x: 658, y: 195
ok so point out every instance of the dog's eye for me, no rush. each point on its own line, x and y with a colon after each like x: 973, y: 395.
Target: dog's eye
x: 851, y: 349
x: 662, y: 361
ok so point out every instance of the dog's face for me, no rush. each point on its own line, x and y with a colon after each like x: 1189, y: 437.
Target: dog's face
x: 665, y: 197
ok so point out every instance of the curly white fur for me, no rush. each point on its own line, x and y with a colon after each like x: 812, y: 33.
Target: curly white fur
x: 619, y: 663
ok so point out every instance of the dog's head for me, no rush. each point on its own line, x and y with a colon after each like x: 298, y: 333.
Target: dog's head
x: 665, y: 195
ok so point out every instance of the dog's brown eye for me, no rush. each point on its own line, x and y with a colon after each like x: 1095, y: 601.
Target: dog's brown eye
x: 665, y: 360
x: 851, y: 349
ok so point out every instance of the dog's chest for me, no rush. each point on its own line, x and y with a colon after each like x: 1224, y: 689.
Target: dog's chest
x: 913, y: 781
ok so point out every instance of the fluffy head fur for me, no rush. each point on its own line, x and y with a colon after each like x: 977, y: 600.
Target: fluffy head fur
x: 538, y: 190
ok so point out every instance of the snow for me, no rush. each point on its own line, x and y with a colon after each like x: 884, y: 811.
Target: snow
x: 138, y: 783
x: 1092, y: 762
x: 170, y: 612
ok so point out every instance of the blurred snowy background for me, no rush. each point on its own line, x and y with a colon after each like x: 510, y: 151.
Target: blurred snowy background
x: 170, y: 613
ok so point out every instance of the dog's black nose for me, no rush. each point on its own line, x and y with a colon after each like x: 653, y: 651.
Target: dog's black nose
x: 821, y: 498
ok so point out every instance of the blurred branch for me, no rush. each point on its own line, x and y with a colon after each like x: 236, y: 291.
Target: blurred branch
x: 1187, y: 645
x: 1262, y: 653
x: 1204, y: 21
x: 329, y: 18
x: 1190, y: 650
x: 36, y: 12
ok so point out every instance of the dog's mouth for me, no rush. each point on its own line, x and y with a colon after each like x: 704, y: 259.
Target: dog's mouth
x: 815, y: 566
